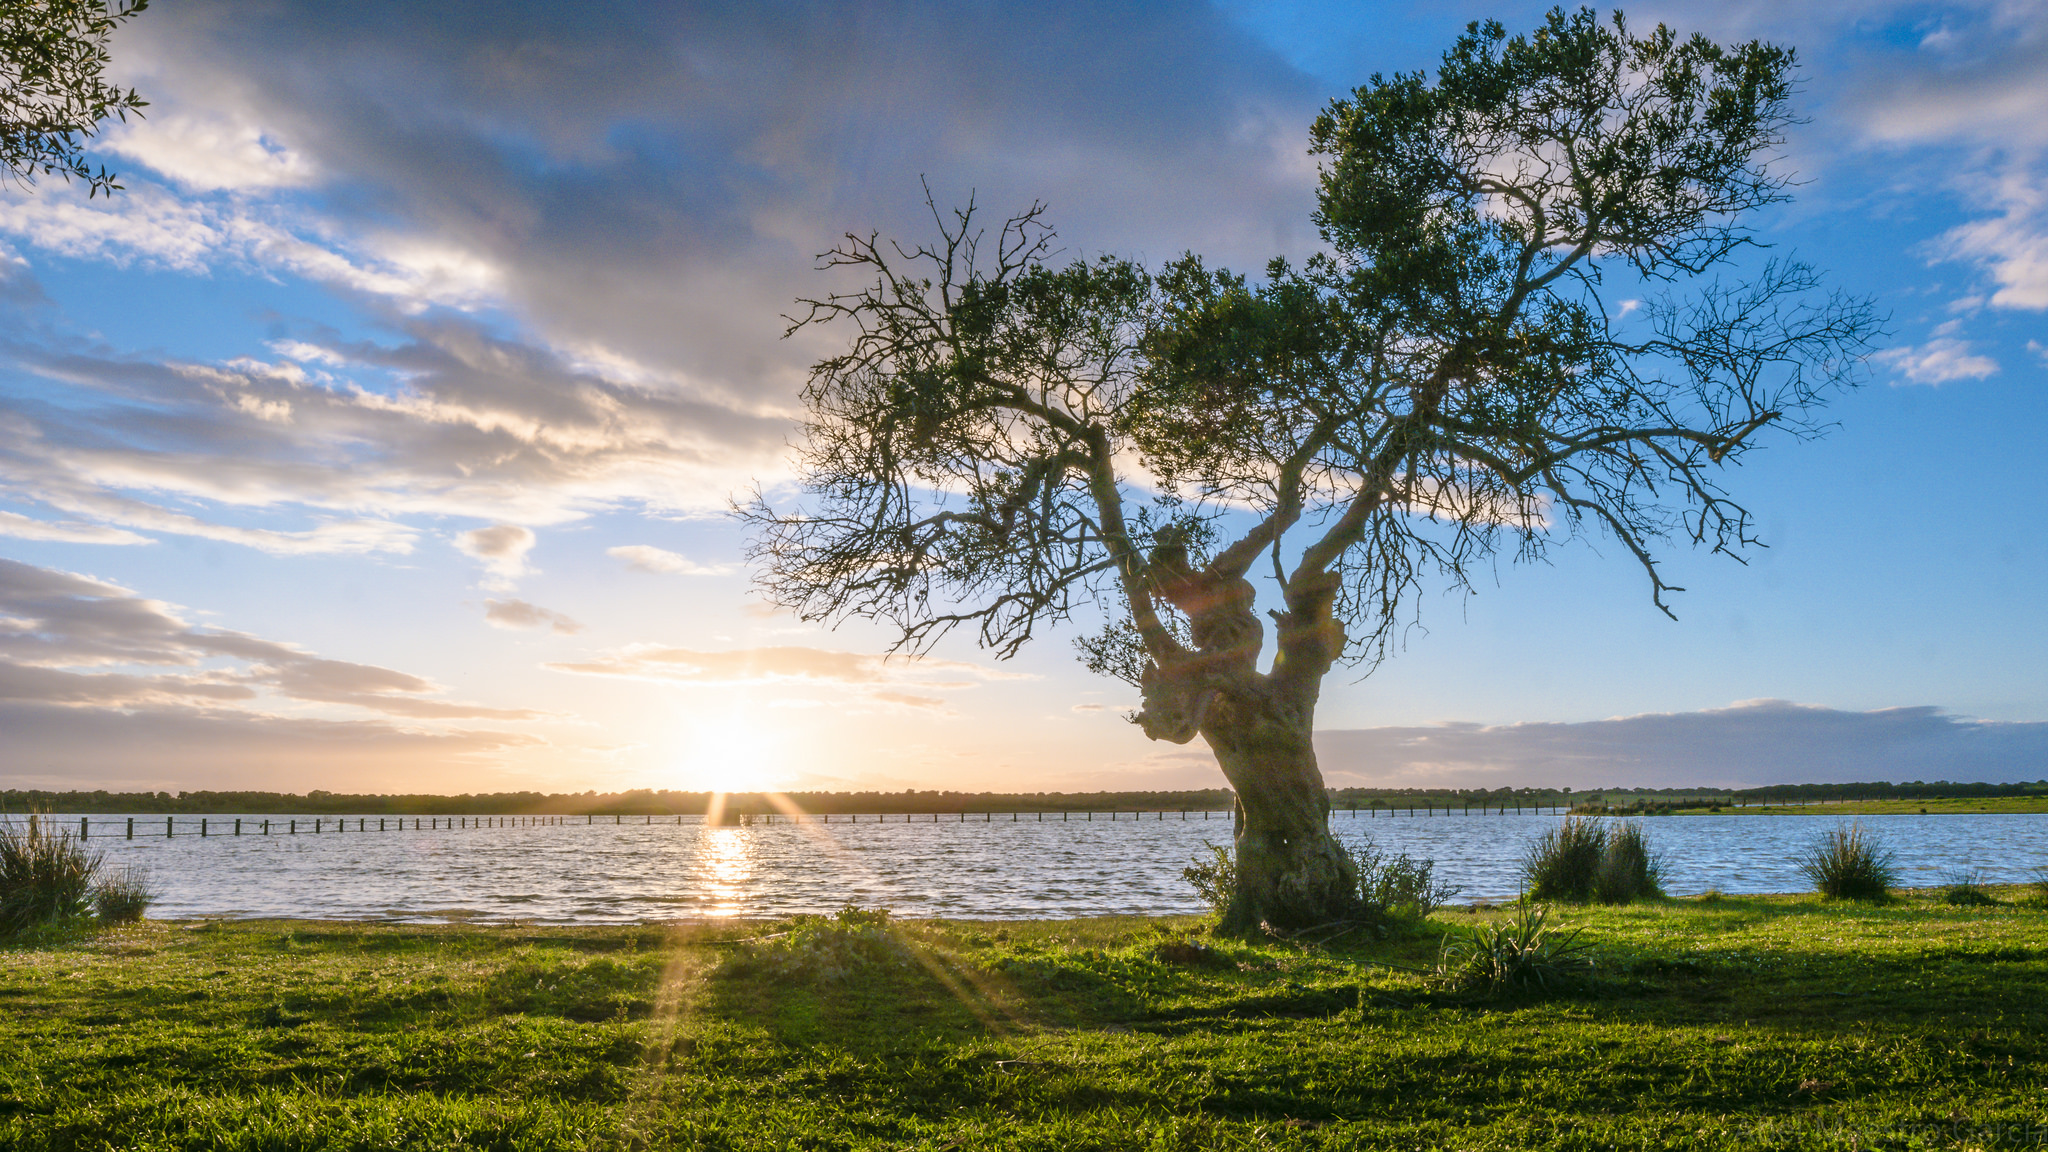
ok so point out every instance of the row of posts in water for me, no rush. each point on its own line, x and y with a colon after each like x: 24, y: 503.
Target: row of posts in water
x: 321, y: 825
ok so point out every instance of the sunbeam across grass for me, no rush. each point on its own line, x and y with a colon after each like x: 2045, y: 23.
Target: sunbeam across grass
x: 1736, y: 1021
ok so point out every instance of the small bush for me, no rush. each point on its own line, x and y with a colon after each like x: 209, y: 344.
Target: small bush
x: 46, y: 877
x: 1518, y: 954
x: 1214, y: 877
x: 123, y: 896
x: 1628, y: 870
x: 1389, y: 887
x: 1849, y: 863
x: 1399, y: 886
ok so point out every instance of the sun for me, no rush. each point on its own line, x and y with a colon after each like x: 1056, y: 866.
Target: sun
x: 742, y: 750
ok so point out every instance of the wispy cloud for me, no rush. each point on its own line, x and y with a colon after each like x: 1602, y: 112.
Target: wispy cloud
x: 897, y: 680
x: 647, y: 558
x: 520, y: 614
x: 1942, y: 360
x: 77, y: 641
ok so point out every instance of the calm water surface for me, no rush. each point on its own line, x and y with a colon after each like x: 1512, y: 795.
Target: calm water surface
x: 996, y: 870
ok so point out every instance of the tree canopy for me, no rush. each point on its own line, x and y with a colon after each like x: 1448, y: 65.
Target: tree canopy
x: 1006, y: 438
x: 53, y: 92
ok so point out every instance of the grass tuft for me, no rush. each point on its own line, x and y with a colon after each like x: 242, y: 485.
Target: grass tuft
x: 1582, y: 860
x: 46, y: 878
x: 1628, y: 870
x: 1849, y: 862
x: 124, y: 895
x: 1564, y: 863
x: 1519, y: 953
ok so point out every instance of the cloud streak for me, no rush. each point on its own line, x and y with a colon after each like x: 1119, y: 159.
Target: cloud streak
x: 1744, y: 745
x: 72, y: 640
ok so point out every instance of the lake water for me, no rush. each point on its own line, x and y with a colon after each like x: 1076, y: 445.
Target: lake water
x: 601, y: 872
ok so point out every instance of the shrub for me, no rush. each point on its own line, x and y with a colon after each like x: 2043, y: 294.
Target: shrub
x: 1850, y: 863
x: 123, y: 896
x: 1628, y: 871
x: 1564, y: 863
x: 1214, y: 877
x: 1400, y: 885
x: 1519, y: 953
x: 46, y: 877
x: 1389, y: 887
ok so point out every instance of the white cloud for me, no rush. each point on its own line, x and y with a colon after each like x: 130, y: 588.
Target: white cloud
x: 502, y: 548
x: 211, y: 153
x: 67, y: 532
x: 647, y: 558
x: 520, y: 614
x: 1941, y: 360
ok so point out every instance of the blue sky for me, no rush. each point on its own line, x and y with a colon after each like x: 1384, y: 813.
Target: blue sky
x: 379, y: 435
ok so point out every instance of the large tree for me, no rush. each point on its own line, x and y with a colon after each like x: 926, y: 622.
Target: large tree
x: 1005, y: 439
x: 53, y: 90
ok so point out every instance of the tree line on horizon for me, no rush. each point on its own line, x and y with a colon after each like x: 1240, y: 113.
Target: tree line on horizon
x: 645, y: 801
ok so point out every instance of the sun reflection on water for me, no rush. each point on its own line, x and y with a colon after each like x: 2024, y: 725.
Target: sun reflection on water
x: 725, y: 869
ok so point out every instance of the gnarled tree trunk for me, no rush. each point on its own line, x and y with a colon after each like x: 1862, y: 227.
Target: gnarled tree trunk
x: 1291, y: 872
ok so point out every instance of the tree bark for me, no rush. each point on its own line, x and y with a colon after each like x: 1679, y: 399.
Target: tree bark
x: 1291, y: 872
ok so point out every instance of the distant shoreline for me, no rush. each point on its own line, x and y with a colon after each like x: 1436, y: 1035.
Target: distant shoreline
x: 1778, y: 799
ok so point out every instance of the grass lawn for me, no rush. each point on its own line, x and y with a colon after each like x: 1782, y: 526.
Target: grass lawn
x: 1960, y: 807
x: 1776, y: 1022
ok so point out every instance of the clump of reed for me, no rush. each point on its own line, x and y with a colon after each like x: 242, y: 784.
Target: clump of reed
x: 124, y: 895
x: 1848, y: 862
x: 50, y: 882
x: 1964, y: 888
x: 1581, y: 860
x: 46, y: 877
x: 1517, y: 954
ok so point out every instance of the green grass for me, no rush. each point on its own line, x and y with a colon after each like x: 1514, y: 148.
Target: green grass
x: 1778, y: 1022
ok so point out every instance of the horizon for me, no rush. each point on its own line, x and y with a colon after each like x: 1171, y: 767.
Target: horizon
x: 382, y: 429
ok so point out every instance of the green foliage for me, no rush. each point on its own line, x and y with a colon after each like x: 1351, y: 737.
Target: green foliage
x: 853, y: 944
x: 1397, y: 887
x: 1521, y: 953
x: 1964, y: 888
x: 1848, y: 862
x: 53, y: 97
x: 1564, y: 862
x: 46, y: 878
x: 1628, y: 869
x: 1582, y: 859
x: 1213, y: 878
x: 123, y: 895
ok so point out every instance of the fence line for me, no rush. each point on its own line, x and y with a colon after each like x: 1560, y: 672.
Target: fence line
x: 130, y: 828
